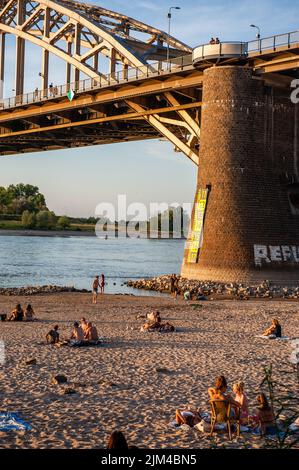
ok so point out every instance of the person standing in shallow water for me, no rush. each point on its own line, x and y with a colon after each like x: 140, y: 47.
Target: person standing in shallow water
x: 102, y: 283
x: 95, y: 288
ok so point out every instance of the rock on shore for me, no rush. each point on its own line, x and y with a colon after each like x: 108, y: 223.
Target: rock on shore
x: 35, y: 290
x: 217, y: 289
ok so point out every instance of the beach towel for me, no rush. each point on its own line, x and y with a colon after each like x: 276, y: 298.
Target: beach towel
x: 12, y: 422
x: 283, y: 338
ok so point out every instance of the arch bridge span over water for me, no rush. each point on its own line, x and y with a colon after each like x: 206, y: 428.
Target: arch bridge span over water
x: 226, y: 107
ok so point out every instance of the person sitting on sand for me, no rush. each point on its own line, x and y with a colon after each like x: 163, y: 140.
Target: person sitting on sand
x: 77, y: 333
x: 187, y: 416
x: 187, y: 295
x: 17, y: 314
x: 52, y: 337
x: 117, y: 441
x: 219, y: 392
x: 274, y: 329
x: 91, y: 333
x: 84, y: 324
x: 166, y: 328
x: 241, y: 398
x: 154, y: 317
x: 29, y: 313
x: 264, y: 415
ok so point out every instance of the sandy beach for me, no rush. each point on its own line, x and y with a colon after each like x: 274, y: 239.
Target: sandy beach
x: 119, y: 385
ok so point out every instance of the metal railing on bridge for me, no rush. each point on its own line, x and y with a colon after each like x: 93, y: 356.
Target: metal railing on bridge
x: 120, y: 77
x: 258, y: 46
x: 273, y: 43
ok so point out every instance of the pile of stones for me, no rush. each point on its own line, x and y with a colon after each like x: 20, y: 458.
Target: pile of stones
x: 35, y: 290
x: 217, y: 289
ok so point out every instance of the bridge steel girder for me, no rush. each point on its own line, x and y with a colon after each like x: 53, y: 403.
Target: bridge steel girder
x: 79, y: 17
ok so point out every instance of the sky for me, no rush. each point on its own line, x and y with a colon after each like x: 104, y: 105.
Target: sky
x: 75, y: 181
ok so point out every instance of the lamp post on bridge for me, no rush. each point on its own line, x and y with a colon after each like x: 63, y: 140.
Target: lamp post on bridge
x: 169, y: 16
x: 258, y: 36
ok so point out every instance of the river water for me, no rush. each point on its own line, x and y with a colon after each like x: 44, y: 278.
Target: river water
x: 74, y: 261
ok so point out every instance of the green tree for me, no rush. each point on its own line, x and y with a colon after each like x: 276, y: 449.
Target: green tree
x: 63, y: 222
x: 28, y: 219
x: 17, y: 198
x: 46, y: 220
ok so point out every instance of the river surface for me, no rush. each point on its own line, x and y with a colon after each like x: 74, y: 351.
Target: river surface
x: 73, y: 261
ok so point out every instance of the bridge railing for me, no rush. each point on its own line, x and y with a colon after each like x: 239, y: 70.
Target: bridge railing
x: 273, y: 43
x: 119, y: 77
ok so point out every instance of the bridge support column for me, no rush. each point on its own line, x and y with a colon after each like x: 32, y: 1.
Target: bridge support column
x: 2, y: 64
x: 249, y: 161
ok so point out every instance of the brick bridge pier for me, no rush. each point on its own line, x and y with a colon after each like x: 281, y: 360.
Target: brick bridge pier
x: 249, y: 162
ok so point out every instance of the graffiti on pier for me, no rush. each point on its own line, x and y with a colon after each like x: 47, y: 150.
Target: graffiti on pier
x: 196, y: 234
x: 268, y: 254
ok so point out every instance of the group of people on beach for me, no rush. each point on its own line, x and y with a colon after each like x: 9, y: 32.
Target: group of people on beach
x: 262, y: 419
x: 83, y: 334
x: 98, y: 283
x: 19, y: 314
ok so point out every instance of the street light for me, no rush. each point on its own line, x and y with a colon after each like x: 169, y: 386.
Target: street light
x: 169, y: 22
x: 258, y: 30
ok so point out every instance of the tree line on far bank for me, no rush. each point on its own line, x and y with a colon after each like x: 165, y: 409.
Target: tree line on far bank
x: 25, y: 203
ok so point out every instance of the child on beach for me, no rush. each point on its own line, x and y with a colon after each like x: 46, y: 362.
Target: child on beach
x: 52, y: 337
x: 241, y: 398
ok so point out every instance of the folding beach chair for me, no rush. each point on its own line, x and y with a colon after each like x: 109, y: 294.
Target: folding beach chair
x: 222, y: 413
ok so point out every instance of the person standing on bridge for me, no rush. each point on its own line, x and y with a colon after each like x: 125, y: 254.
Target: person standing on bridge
x: 212, y: 41
x: 95, y: 288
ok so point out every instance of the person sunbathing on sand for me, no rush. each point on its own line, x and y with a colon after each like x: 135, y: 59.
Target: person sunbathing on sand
x: 77, y: 333
x: 187, y: 416
x: 17, y: 314
x: 52, y: 337
x: 29, y: 313
x: 241, y: 398
x: 91, y: 333
x: 274, y: 329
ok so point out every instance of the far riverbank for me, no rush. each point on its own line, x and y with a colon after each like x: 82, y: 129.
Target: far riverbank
x: 48, y: 233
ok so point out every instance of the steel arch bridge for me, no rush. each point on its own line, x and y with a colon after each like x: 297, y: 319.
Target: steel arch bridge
x: 81, y: 35
x: 129, y: 81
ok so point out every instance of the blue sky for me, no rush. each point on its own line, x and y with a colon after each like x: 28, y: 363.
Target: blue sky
x: 75, y: 181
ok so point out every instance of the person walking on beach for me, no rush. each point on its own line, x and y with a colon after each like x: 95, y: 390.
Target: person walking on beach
x: 95, y: 288
x: 102, y: 283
